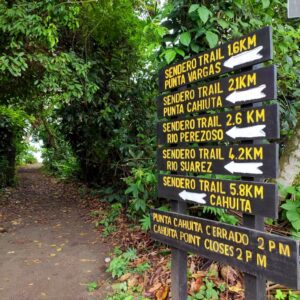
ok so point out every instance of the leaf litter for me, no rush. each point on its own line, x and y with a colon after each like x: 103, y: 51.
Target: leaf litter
x: 155, y: 282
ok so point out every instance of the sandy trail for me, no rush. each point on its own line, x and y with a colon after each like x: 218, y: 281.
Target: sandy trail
x: 48, y: 251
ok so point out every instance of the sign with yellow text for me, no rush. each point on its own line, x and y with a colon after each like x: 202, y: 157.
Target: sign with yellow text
x: 248, y: 50
x: 244, y: 196
x: 243, y: 160
x: 246, y: 124
x: 244, y: 88
x: 252, y: 251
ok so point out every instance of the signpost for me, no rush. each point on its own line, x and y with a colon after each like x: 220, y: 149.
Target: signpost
x: 244, y: 196
x: 244, y: 88
x: 251, y: 251
x: 246, y: 160
x: 183, y: 153
x: 253, y: 123
x: 250, y: 49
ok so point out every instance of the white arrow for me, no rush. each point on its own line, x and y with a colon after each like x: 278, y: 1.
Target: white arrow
x: 247, y: 132
x: 252, y: 168
x: 243, y: 58
x: 195, y: 197
x: 250, y: 94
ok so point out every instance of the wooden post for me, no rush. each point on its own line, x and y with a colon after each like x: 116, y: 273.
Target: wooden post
x: 255, y: 287
x: 178, y: 257
x: 179, y: 263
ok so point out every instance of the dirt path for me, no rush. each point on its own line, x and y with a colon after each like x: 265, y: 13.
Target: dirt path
x: 48, y: 251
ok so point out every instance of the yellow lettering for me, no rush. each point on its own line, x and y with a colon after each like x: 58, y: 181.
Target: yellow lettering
x: 272, y: 245
x: 284, y: 250
x: 261, y: 260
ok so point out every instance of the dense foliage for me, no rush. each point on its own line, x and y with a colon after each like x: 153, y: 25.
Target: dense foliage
x: 79, y: 69
x: 12, y: 124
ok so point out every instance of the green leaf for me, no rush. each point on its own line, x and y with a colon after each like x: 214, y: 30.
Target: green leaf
x: 203, y: 13
x: 170, y: 55
x: 180, y: 52
x: 292, y: 215
x: 185, y: 38
x: 295, y: 234
x: 290, y: 190
x: 131, y: 189
x: 279, y: 295
x: 92, y: 286
x: 229, y: 14
x: 266, y: 3
x: 211, y: 38
x: 223, y: 23
x: 161, y: 31
x: 296, y: 224
x: 145, y: 222
x: 130, y: 254
x: 290, y: 205
x: 195, y: 47
x: 193, y: 7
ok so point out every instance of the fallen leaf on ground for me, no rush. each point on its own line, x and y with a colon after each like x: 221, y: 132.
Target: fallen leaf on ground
x: 2, y: 230
x: 155, y: 287
x: 87, y: 260
x: 229, y: 274
x: 192, y: 267
x: 133, y: 281
x: 213, y: 271
x: 125, y: 277
x: 16, y: 222
x: 235, y: 289
x: 162, y: 293
x: 196, y: 285
x: 200, y: 274
x: 36, y: 261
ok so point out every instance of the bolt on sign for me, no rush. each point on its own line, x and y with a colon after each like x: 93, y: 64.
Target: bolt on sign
x: 248, y: 50
x: 200, y: 124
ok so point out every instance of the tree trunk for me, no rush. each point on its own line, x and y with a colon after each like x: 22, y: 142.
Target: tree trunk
x: 290, y: 160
